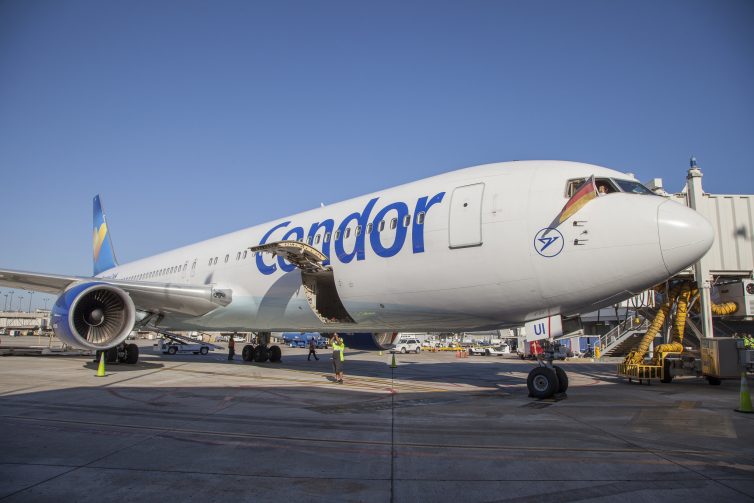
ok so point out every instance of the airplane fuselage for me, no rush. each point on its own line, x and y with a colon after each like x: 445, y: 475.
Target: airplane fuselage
x: 463, y: 250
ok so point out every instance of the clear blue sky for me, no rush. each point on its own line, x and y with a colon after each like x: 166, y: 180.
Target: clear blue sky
x: 193, y: 119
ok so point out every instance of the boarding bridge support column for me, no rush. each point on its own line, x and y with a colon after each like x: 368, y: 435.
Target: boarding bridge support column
x: 695, y: 196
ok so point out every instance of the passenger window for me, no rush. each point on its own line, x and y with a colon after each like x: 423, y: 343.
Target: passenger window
x: 227, y: 256
x: 420, y: 218
x: 382, y: 226
x: 358, y: 230
x: 210, y: 261
x: 244, y: 254
x: 309, y: 239
x: 327, y: 237
x: 214, y: 262
x: 406, y: 220
x: 238, y: 256
x: 337, y: 235
x: 193, y: 266
x: 369, y: 228
x: 393, y: 223
x: 316, y: 239
x: 348, y: 233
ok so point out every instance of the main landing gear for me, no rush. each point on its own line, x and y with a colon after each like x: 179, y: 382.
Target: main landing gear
x: 122, y: 353
x: 547, y: 380
x: 261, y: 353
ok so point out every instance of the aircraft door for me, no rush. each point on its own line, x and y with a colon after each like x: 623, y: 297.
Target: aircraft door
x: 465, y: 225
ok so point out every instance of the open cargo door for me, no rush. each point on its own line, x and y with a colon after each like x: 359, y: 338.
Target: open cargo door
x: 318, y: 280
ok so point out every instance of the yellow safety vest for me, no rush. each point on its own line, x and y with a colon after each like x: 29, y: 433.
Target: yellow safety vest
x: 339, y: 347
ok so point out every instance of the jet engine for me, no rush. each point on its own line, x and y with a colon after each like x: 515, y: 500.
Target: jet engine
x: 369, y: 341
x: 93, y: 316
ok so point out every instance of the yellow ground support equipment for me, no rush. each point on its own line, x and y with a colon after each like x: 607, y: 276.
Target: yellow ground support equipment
x: 682, y: 295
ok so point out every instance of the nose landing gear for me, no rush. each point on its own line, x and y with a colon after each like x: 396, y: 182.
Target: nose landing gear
x: 547, y: 380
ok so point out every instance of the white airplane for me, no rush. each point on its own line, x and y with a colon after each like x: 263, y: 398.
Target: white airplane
x: 481, y: 248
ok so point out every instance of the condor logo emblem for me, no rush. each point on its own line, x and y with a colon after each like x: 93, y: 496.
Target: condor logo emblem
x: 548, y: 242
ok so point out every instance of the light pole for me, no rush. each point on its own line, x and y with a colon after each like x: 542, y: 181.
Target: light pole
x: 10, y: 304
x: 31, y: 296
x: 45, y: 300
x: 5, y: 302
x: 20, y: 299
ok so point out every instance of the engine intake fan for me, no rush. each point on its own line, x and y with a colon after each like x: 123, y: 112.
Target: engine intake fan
x: 93, y: 316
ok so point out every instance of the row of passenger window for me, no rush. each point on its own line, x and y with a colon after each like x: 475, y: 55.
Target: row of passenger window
x: 324, y: 238
x: 161, y: 272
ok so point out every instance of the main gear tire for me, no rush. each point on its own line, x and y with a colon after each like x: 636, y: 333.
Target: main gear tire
x: 132, y: 354
x: 275, y: 354
x: 261, y: 354
x: 248, y: 353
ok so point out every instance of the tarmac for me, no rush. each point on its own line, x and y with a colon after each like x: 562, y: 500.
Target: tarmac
x: 436, y: 428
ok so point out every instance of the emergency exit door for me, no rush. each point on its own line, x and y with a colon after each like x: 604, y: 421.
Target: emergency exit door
x: 465, y: 226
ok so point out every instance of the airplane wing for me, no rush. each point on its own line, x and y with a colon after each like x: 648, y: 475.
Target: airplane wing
x: 191, y: 300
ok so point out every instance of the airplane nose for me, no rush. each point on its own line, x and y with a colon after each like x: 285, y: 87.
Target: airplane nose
x: 685, y: 235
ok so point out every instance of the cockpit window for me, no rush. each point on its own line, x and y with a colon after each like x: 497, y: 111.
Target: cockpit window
x: 573, y: 186
x: 632, y: 187
x: 608, y: 186
x: 605, y: 186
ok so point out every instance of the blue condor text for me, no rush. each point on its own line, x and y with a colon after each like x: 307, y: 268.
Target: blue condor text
x: 423, y: 204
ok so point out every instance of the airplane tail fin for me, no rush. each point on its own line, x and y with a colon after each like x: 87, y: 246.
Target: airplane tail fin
x: 104, y: 255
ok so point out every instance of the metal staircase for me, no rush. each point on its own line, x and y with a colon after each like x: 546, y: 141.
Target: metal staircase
x: 626, y: 335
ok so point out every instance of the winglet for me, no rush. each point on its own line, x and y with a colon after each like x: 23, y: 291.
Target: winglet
x: 102, y: 246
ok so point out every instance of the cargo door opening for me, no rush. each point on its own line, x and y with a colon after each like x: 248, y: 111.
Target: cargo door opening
x: 323, y: 297
x: 318, y: 280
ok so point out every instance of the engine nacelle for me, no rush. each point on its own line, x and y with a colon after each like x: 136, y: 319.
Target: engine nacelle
x: 369, y: 341
x: 93, y: 316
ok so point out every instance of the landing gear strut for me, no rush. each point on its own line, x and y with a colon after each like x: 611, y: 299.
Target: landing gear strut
x: 547, y: 379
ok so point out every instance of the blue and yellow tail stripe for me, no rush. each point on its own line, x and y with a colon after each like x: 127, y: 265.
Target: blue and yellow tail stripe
x: 102, y: 246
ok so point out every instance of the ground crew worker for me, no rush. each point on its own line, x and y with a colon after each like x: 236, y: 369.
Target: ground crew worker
x: 748, y: 341
x: 338, y: 347
x: 231, y: 348
x: 312, y: 350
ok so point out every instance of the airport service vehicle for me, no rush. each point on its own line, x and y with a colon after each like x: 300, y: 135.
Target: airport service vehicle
x: 172, y: 347
x: 497, y: 350
x: 407, y: 346
x: 477, y: 249
x: 301, y: 340
x: 477, y: 351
